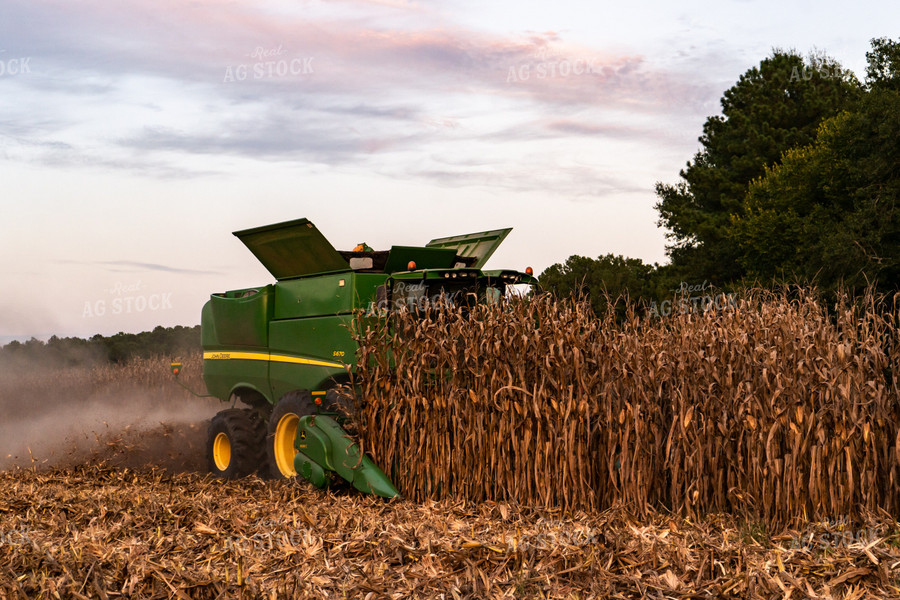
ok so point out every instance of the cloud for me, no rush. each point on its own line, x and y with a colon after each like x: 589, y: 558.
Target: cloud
x: 280, y: 135
x: 150, y: 81
x: 576, y: 182
x: 130, y: 266
x: 161, y: 39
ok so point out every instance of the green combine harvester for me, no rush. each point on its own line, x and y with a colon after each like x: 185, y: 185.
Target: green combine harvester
x: 283, y: 349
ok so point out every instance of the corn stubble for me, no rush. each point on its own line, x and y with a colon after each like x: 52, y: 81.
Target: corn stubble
x: 773, y: 409
x: 99, y: 532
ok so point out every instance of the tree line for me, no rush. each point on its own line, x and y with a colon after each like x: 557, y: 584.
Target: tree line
x: 98, y: 349
x: 796, y: 181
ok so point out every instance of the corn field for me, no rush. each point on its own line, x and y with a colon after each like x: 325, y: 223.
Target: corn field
x: 774, y: 408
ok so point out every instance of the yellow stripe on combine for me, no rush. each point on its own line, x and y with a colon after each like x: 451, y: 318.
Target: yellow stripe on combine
x: 269, y: 357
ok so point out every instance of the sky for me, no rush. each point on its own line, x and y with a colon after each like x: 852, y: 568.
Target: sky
x: 136, y: 135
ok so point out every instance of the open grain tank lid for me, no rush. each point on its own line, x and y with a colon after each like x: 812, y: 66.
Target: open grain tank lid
x: 292, y: 249
x: 478, y: 245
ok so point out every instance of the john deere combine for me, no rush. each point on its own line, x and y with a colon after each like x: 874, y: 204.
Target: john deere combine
x: 282, y: 349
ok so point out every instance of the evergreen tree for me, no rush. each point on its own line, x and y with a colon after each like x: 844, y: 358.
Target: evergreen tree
x: 771, y: 109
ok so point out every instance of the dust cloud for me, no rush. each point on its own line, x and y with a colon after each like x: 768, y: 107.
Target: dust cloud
x: 121, y: 416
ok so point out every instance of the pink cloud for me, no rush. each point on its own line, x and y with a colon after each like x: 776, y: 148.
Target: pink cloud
x: 198, y: 40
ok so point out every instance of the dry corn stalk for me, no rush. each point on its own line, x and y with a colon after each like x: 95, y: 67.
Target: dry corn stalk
x: 774, y: 407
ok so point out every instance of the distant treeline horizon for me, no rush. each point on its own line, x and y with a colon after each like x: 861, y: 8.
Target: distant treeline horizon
x: 100, y: 349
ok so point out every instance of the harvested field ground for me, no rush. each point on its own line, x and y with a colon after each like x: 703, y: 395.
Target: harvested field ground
x: 100, y: 532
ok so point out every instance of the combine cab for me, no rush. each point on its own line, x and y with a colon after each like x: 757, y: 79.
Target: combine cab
x: 282, y: 349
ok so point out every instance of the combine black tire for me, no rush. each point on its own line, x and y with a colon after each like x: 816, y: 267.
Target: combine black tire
x: 235, y: 442
x: 283, y: 430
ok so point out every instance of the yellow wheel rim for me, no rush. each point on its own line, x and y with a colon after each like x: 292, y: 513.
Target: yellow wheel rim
x: 285, y: 434
x: 222, y: 451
